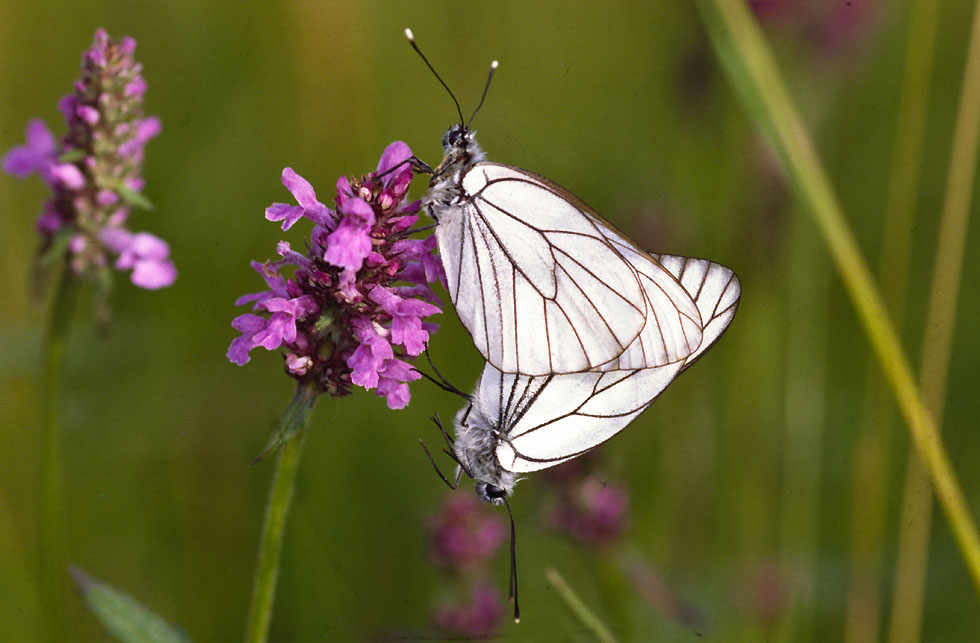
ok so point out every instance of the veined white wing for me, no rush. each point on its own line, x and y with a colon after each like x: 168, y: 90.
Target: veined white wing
x: 570, y: 413
x: 714, y: 288
x: 544, y: 285
x: 518, y: 423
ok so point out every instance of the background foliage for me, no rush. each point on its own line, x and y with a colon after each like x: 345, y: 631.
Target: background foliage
x: 741, y: 477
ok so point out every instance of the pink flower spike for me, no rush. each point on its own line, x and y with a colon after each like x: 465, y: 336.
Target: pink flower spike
x: 343, y: 338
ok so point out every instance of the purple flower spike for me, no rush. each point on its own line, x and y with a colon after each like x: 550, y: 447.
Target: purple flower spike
x: 94, y: 192
x: 352, y: 310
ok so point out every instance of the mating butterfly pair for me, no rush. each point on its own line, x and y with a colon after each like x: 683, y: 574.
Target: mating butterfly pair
x: 581, y: 329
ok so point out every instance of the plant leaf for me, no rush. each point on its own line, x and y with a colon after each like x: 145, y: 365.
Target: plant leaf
x: 123, y: 617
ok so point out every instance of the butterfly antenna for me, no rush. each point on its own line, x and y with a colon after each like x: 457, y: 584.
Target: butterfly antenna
x: 411, y: 41
x: 486, y: 88
x: 513, y: 563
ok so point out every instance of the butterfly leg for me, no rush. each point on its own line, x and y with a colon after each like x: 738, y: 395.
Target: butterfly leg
x: 459, y: 470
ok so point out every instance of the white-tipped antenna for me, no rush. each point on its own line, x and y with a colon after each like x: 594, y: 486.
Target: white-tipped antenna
x: 411, y: 41
x: 486, y: 88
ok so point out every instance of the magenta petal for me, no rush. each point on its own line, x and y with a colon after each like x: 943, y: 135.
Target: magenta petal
x: 149, y: 246
x: 154, y: 274
x: 396, y: 393
x: 347, y: 246
x: 68, y: 175
x: 238, y: 351
x: 288, y: 214
x: 35, y: 155
x: 358, y: 207
x: 137, y: 87
x: 299, y: 187
x: 394, y: 155
x: 148, y: 128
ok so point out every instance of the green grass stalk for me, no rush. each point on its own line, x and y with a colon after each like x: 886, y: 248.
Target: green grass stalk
x: 806, y: 366
x: 872, y: 452
x: 913, y: 550
x: 585, y: 616
x: 751, y: 68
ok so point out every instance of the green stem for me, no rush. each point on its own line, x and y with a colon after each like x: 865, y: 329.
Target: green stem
x: 872, y: 451
x: 294, y: 419
x: 52, y: 487
x: 913, y: 542
x: 586, y: 616
x: 752, y: 70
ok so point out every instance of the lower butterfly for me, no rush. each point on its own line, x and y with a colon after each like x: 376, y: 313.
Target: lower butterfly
x: 515, y: 424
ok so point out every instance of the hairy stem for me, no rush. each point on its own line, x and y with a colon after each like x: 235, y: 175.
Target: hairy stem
x: 296, y: 417
x: 52, y: 484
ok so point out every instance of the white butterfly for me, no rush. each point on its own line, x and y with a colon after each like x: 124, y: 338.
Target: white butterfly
x: 581, y: 329
x: 540, y: 280
x: 519, y: 423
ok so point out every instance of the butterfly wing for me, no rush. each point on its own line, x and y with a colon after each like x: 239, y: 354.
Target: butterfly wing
x: 714, y: 289
x: 547, y: 420
x: 544, y: 285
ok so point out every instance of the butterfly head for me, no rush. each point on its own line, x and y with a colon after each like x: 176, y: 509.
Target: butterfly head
x: 490, y: 493
x: 461, y: 152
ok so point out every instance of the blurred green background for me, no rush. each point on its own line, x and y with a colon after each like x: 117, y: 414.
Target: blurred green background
x: 741, y: 478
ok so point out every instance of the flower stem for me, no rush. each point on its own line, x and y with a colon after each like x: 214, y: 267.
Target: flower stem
x: 748, y: 61
x: 296, y: 417
x: 913, y: 541
x: 52, y: 484
x: 579, y: 608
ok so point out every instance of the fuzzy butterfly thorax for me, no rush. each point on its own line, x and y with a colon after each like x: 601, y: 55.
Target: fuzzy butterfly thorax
x: 476, y: 450
x: 461, y: 152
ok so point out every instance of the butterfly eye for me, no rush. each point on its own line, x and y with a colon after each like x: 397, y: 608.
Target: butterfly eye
x: 490, y: 493
x: 453, y: 136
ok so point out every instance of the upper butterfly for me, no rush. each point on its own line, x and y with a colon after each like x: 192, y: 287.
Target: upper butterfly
x: 540, y: 280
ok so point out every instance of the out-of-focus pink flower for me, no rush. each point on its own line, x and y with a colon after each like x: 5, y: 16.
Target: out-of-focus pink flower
x: 465, y: 534
x: 593, y: 513
x: 94, y: 172
x: 479, y: 615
